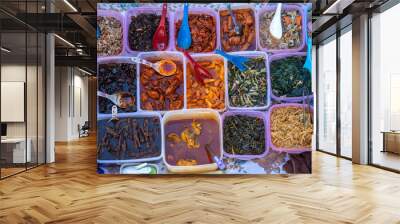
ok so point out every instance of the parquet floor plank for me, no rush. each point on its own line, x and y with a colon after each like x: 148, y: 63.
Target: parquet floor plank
x: 70, y: 191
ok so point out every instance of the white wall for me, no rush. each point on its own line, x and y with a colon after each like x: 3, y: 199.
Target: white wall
x: 80, y: 112
x: 70, y: 84
x: 62, y: 82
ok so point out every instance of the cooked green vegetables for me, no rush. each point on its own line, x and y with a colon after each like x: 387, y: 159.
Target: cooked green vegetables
x: 249, y: 88
x: 289, y: 78
x: 244, y: 135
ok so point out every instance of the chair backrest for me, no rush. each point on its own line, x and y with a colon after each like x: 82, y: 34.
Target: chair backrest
x: 86, y: 125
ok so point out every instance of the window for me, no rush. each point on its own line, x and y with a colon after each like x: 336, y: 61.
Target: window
x: 327, y: 96
x: 385, y: 89
x: 314, y: 90
x: 346, y: 93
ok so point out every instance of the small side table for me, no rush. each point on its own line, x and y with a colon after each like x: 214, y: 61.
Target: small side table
x: 19, y: 155
x: 391, y: 141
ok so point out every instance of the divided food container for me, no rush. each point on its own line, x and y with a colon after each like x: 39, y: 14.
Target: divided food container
x: 253, y: 46
x: 256, y: 114
x: 119, y: 17
x: 147, y: 10
x: 117, y: 59
x: 268, y: 130
x: 208, y: 57
x: 159, y: 55
x: 191, y: 114
x: 174, y: 15
x: 252, y: 54
x: 174, y: 54
x: 277, y: 57
x: 178, y: 14
x: 272, y: 8
x: 101, y: 132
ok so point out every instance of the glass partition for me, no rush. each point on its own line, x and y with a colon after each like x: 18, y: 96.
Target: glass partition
x: 14, y: 153
x: 22, y: 90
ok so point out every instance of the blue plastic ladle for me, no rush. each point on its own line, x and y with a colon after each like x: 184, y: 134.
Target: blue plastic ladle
x: 98, y: 34
x: 184, y: 35
x: 238, y: 61
x: 308, y: 62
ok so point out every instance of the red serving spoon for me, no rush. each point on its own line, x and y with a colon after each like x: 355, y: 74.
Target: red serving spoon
x: 160, y: 38
x: 200, y: 73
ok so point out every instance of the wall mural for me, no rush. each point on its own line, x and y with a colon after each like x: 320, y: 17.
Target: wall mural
x: 204, y: 88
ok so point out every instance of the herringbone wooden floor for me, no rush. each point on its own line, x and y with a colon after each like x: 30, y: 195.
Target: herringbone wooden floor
x: 70, y: 191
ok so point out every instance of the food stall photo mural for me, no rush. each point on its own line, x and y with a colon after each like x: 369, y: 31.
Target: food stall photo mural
x: 204, y: 88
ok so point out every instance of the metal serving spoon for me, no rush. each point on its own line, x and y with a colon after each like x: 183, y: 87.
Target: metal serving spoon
x: 238, y: 26
x: 122, y: 99
x: 164, y: 67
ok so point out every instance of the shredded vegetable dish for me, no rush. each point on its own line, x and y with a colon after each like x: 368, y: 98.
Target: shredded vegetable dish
x: 291, y: 127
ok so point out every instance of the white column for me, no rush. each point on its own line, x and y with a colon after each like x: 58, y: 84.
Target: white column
x: 50, y: 101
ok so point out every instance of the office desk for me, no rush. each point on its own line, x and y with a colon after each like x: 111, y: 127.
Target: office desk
x: 16, y: 147
x: 391, y: 141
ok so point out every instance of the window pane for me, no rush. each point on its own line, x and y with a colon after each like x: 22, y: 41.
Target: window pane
x: 327, y: 96
x: 314, y: 87
x: 385, y: 85
x: 346, y: 94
